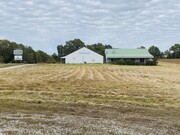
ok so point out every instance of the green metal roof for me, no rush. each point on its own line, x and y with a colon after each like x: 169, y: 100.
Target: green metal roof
x: 127, y: 53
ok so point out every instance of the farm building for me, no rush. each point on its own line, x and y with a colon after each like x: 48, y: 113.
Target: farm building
x: 83, y: 55
x: 136, y: 55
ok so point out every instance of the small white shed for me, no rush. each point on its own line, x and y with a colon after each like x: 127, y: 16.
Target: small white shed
x: 83, y: 55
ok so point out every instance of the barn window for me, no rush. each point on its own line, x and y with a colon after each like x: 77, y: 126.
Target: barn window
x: 141, y: 60
x: 132, y: 59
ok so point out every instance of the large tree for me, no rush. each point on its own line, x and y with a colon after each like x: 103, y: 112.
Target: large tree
x: 60, y: 49
x: 174, y: 51
x: 153, y: 50
x: 69, y: 47
x: 73, y: 45
x: 99, y: 48
x: 55, y: 57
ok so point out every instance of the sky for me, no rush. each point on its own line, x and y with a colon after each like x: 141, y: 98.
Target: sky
x: 44, y: 24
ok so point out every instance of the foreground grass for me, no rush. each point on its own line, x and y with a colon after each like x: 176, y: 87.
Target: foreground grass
x: 7, y: 65
x: 134, y: 95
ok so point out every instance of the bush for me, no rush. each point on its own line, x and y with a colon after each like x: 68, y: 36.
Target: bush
x: 149, y: 63
x: 121, y: 62
x: 128, y: 62
x: 152, y: 62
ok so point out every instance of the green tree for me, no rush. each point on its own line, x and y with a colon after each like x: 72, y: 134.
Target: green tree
x: 61, y: 51
x: 55, y: 57
x: 43, y: 57
x: 99, y: 48
x: 73, y: 45
x: 1, y: 59
x: 174, y: 51
x: 40, y: 57
x: 69, y: 47
x: 153, y: 50
x: 29, y: 55
x: 6, y: 50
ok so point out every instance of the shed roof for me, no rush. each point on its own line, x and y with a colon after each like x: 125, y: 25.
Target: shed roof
x: 127, y: 53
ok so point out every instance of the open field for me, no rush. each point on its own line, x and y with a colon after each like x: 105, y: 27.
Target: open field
x: 90, y: 99
x: 175, y: 61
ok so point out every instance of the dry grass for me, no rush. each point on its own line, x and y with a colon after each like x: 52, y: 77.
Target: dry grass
x: 136, y: 97
x: 175, y: 61
x: 7, y: 65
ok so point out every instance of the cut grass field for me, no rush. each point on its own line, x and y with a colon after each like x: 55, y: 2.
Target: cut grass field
x: 7, y: 65
x: 92, y: 99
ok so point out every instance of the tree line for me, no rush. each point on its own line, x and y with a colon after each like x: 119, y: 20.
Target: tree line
x: 172, y: 53
x: 32, y: 56
x: 29, y: 55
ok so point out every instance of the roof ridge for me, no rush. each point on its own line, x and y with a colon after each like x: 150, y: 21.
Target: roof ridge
x: 127, y: 48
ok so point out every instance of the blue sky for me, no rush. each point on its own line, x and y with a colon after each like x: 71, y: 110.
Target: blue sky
x: 44, y: 24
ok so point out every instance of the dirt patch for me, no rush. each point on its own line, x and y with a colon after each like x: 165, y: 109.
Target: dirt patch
x: 72, y: 124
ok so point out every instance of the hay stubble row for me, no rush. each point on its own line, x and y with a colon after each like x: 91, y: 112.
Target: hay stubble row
x: 98, y: 75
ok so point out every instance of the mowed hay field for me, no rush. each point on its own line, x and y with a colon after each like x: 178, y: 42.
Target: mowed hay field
x: 90, y: 99
x: 6, y: 65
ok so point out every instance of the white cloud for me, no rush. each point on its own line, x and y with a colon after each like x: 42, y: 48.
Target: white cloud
x: 29, y: 3
x: 120, y: 23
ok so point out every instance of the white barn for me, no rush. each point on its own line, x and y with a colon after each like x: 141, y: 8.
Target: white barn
x: 83, y: 55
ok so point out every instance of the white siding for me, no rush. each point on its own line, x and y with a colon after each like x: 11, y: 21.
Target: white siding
x: 83, y: 55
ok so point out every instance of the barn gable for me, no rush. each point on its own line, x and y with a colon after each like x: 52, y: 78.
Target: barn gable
x: 83, y: 55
